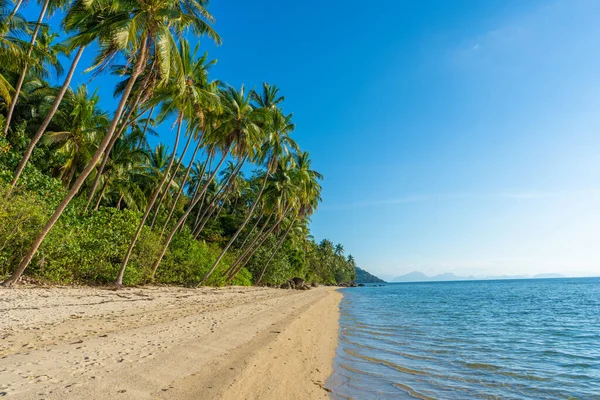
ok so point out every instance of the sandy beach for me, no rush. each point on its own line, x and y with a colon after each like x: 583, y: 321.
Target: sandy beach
x: 167, y: 343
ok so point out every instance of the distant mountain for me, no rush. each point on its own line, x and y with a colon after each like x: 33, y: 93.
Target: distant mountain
x: 417, y: 276
x: 363, y: 276
x: 414, y: 276
x: 546, y: 276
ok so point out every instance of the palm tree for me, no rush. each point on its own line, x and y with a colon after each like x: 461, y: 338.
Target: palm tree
x: 284, y: 196
x: 189, y: 94
x: 275, y: 147
x: 238, y: 131
x: 143, y: 30
x: 230, y: 175
x: 309, y: 197
x: 269, y: 99
x: 143, y: 90
x: 45, y: 56
x: 84, y: 123
x: 126, y: 173
x: 192, y: 94
x: 47, y: 6
x: 12, y: 28
x: 181, y: 186
x: 15, y: 9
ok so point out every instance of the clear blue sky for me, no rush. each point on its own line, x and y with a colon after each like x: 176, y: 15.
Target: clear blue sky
x: 454, y: 136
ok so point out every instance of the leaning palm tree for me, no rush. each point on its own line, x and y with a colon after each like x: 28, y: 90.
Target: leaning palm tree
x: 283, y: 194
x: 142, y: 94
x: 143, y: 30
x: 276, y: 144
x: 238, y: 131
x: 12, y: 28
x: 44, y: 57
x: 84, y: 18
x: 48, y: 6
x: 126, y: 172
x: 189, y: 94
x: 192, y: 94
x: 276, y: 149
x: 269, y: 99
x: 83, y: 124
x: 307, y: 181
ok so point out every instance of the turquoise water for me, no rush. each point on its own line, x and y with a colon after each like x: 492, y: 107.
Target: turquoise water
x: 517, y: 339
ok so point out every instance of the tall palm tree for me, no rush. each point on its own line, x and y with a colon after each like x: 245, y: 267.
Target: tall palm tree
x: 309, y: 192
x: 84, y: 123
x: 276, y: 143
x: 239, y: 132
x: 48, y: 6
x: 190, y: 94
x: 230, y: 175
x: 269, y: 99
x: 12, y: 28
x: 44, y: 57
x: 143, y: 30
x: 15, y: 9
x: 276, y: 149
x: 283, y: 194
x: 126, y: 173
x: 142, y: 90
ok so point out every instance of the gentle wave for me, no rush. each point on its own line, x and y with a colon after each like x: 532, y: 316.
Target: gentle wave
x: 520, y: 340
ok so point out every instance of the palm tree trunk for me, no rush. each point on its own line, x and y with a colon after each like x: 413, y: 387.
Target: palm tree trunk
x: 172, y: 176
x: 255, y: 239
x: 119, y: 202
x: 72, y: 174
x: 137, y: 70
x: 97, y: 206
x: 209, y: 210
x: 119, y: 281
x: 253, y: 228
x: 14, y: 11
x: 220, y: 195
x: 184, y: 217
x: 220, y: 207
x: 180, y: 191
x: 125, y: 122
x: 192, y: 199
x: 206, y: 162
x: 201, y: 204
x: 13, y: 103
x: 287, y: 231
x: 42, y: 129
x: 232, y: 272
x: 212, y: 269
x: 259, y: 238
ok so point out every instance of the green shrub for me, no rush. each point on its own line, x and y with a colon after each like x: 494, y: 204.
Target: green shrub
x: 90, y: 249
x: 188, y: 260
x: 21, y: 219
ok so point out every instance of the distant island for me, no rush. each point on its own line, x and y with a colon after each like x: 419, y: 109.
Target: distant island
x: 417, y: 276
x: 363, y: 276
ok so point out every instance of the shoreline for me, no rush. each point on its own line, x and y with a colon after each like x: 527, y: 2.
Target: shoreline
x: 175, y: 343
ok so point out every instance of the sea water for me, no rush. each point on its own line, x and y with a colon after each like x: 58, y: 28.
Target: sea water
x: 512, y: 339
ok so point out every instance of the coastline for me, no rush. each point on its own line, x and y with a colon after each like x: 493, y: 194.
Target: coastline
x: 175, y: 343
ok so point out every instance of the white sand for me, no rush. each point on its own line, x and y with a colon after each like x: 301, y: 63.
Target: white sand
x: 167, y: 343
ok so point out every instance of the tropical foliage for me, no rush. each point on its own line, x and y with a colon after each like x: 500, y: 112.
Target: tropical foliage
x: 87, y: 199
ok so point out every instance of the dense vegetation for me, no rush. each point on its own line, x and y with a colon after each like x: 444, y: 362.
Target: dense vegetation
x: 363, y: 276
x: 86, y: 199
